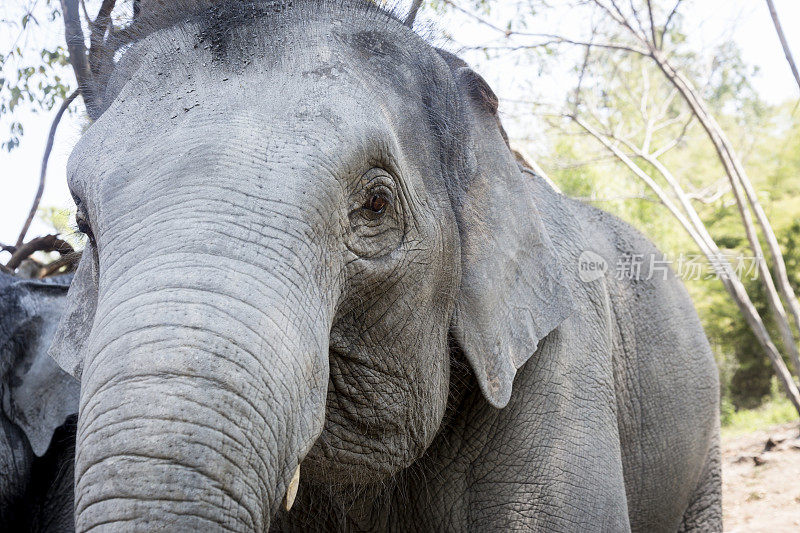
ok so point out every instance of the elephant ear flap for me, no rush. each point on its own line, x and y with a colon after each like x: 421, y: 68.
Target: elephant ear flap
x: 512, y: 291
x: 37, y: 396
x: 78, y: 318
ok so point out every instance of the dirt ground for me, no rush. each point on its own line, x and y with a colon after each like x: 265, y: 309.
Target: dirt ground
x: 761, y: 481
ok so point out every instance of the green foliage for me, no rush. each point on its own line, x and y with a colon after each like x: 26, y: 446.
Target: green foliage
x: 30, y: 79
x: 778, y: 410
x: 791, y: 244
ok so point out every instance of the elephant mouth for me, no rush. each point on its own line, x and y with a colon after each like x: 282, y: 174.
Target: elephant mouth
x: 382, y: 425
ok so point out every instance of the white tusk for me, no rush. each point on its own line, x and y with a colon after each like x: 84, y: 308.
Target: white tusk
x: 291, y: 490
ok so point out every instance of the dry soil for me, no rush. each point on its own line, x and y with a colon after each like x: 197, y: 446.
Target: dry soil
x: 761, y: 481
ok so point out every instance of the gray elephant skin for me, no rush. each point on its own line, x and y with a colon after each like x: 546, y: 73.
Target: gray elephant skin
x: 39, y: 401
x: 310, y: 245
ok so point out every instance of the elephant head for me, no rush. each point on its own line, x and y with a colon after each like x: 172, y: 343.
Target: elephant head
x: 294, y: 211
x: 36, y: 395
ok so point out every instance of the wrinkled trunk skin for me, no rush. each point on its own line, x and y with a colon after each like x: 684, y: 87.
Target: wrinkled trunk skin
x: 204, y: 386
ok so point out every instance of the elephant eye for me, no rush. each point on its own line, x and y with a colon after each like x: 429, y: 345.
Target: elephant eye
x: 82, y: 221
x: 378, y: 202
x: 377, y: 224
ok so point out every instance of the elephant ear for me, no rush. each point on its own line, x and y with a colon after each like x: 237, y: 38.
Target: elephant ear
x: 37, y: 396
x: 512, y: 291
x: 78, y: 318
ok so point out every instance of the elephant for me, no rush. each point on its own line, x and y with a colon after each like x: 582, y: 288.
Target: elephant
x: 319, y: 293
x: 39, y: 406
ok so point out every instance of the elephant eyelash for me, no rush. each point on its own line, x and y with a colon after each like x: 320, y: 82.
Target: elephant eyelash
x: 75, y: 231
x: 83, y: 226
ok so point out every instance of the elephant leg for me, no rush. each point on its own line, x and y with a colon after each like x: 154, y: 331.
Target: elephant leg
x: 705, y: 509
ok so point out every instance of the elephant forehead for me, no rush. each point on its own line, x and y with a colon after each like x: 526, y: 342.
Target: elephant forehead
x: 285, y: 137
x: 196, y: 119
x: 269, y: 50
x: 341, y: 95
x: 306, y: 121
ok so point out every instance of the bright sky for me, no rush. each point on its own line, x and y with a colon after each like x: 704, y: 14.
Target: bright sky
x: 750, y: 20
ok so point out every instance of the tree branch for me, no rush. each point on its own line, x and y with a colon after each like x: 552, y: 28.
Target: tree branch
x: 742, y: 189
x: 99, y: 25
x: 579, y: 85
x: 769, y: 286
x: 665, y: 29
x: 100, y: 57
x: 43, y: 173
x: 78, y: 57
x: 552, y: 39
x: 48, y: 243
x: 68, y: 260
x: 105, y: 11
x: 412, y: 13
x: 638, y: 19
x: 557, y: 40
x: 620, y: 19
x: 711, y: 193
x: 677, y: 140
x: 652, y: 23
x: 786, y: 50
x: 85, y: 11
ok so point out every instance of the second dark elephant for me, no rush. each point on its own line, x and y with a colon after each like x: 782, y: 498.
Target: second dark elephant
x: 37, y: 429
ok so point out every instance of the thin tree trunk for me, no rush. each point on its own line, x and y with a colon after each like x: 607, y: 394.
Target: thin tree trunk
x: 786, y: 50
x: 412, y: 13
x: 43, y: 173
x: 78, y: 58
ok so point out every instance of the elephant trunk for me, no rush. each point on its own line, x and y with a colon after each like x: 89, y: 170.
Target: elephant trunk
x: 203, y: 390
